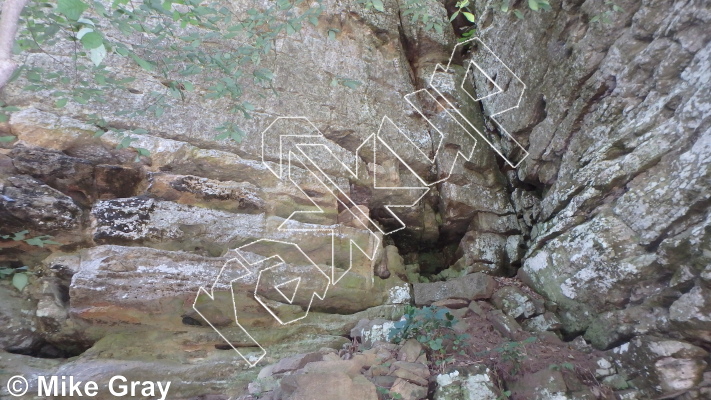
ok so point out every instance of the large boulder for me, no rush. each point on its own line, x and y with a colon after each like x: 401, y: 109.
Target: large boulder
x: 471, y: 287
x: 662, y: 366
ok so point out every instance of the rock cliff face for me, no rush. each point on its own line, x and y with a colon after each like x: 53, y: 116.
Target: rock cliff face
x: 607, y: 219
x: 617, y: 124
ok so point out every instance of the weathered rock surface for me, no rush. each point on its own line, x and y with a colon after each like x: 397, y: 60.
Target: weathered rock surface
x: 473, y: 383
x: 471, y: 287
x: 662, y: 365
x: 38, y: 206
x: 17, y: 332
x: 615, y: 190
x: 608, y: 216
x: 516, y: 303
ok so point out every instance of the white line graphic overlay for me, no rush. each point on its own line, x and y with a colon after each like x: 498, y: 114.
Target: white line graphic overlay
x: 281, y: 270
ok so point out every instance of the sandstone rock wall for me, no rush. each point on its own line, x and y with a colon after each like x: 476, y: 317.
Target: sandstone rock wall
x: 140, y: 235
x: 607, y: 217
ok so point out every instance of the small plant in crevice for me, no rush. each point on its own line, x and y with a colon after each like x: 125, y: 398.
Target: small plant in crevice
x: 387, y: 394
x: 21, y: 236
x: 376, y: 4
x: 20, y: 276
x: 126, y: 136
x: 562, y: 366
x: 432, y: 327
x: 418, y: 10
x: 535, y: 5
x: 511, y: 355
x: 464, y: 9
x: 605, y: 17
x: 505, y: 395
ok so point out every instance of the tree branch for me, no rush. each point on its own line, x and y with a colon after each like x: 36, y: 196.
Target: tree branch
x: 11, y: 10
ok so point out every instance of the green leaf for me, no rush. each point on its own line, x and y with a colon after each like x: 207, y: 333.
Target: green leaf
x: 20, y: 235
x: 20, y: 280
x: 143, y: 63
x: 91, y: 40
x: 5, y: 139
x: 469, y: 16
x: 264, y: 74
x: 350, y: 83
x: 454, y: 15
x: 505, y: 5
x: 61, y: 103
x: 83, y: 31
x: 72, y: 9
x: 595, y: 18
x: 143, y: 152
x: 378, y: 5
x: 518, y: 14
x: 533, y: 5
x: 84, y: 21
x: 40, y: 241
x: 97, y: 55
x: 140, y: 131
x: 125, y: 142
x: 237, y: 135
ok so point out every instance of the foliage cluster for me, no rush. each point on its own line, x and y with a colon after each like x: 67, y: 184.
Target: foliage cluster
x: 387, y: 394
x: 21, y: 236
x: 605, y: 17
x: 206, y: 48
x: 432, y: 327
x: 511, y: 354
x: 535, y: 5
x: 20, y: 276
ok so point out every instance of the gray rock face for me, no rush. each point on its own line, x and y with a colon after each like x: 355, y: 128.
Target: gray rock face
x: 662, y: 365
x: 691, y: 313
x: 516, y: 303
x: 17, y: 332
x: 472, y: 383
x: 608, y: 216
x: 472, y: 287
x: 38, y: 206
x: 145, y: 220
x: 619, y: 137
